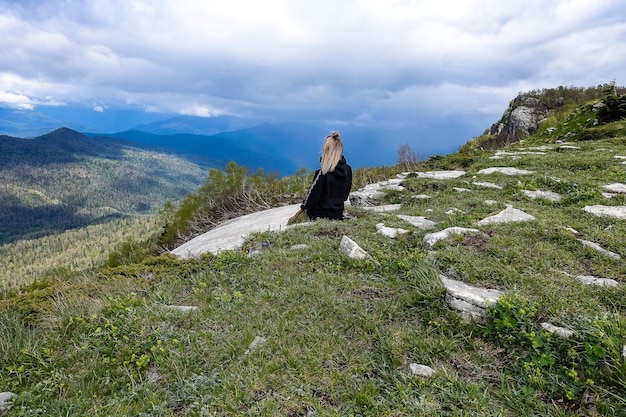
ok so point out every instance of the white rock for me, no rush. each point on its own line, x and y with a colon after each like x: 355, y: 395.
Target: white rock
x: 390, y: 232
x: 300, y: 246
x: 418, y: 221
x: 421, y: 370
x: 546, y: 195
x: 571, y: 229
x: 488, y: 185
x: 431, y: 238
x: 182, y: 309
x: 560, y: 331
x: 569, y: 147
x: 233, y: 233
x: 440, y: 175
x: 599, y: 248
x: 620, y: 157
x: 469, y: 300
x: 352, y: 250
x: 615, y: 188
x: 490, y: 202
x: 508, y: 215
x: 602, y: 282
x: 258, y: 341
x: 383, y: 209
x: 506, y: 171
x: 5, y: 400
x: 618, y: 212
x: 609, y: 195
x: 461, y: 190
x: 454, y: 210
x: 422, y: 196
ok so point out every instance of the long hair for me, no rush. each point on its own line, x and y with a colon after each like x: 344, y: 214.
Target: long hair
x: 332, y: 151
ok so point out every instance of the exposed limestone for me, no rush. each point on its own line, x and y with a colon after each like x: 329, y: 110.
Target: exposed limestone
x: 182, y: 309
x: 418, y: 221
x: 440, y: 175
x: 508, y: 215
x: 569, y: 147
x: 609, y: 195
x: 300, y: 246
x: 461, y: 190
x: 421, y: 370
x: 431, y: 238
x: 602, y: 282
x: 5, y: 400
x: 384, y: 209
x: 599, y: 248
x: 490, y: 202
x: 514, y: 155
x: 488, y: 185
x: 258, y: 341
x: 352, y: 250
x: 546, y: 195
x: 370, y: 195
x: 615, y: 188
x: 559, y: 331
x: 470, y: 301
x: 505, y: 171
x: 233, y: 233
x: 455, y: 210
x: 619, y: 212
x: 619, y: 157
x: 390, y: 232
x: 422, y: 196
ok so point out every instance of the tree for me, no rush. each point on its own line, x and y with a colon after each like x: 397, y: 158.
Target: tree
x: 407, y: 158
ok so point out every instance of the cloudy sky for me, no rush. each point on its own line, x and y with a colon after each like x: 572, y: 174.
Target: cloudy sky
x: 329, y: 62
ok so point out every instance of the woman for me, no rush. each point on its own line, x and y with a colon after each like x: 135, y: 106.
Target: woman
x: 331, y: 184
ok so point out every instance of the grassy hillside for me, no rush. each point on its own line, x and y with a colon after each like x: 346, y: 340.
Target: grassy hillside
x: 337, y: 336
x: 65, y: 180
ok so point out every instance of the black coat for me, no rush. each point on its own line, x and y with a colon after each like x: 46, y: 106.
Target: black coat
x: 328, y: 192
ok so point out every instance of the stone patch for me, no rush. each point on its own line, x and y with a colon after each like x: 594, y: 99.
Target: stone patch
x: 559, y: 331
x: 569, y: 147
x: 421, y: 370
x: 422, y: 196
x: 440, y: 175
x: 615, y: 188
x: 418, y: 221
x: 390, y: 232
x: 454, y: 210
x: 370, y: 195
x: 5, y: 400
x: 470, y: 301
x: 300, y: 246
x: 490, y: 202
x: 505, y: 171
x: 508, y: 215
x: 546, y: 195
x: 488, y: 185
x: 599, y: 248
x: 384, y: 209
x: 258, y: 341
x: 602, y: 282
x: 431, y: 238
x: 182, y: 309
x: 618, y: 212
x: 461, y: 190
x: 232, y: 234
x: 350, y: 248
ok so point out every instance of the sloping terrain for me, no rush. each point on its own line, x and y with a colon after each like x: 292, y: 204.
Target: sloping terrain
x: 290, y: 325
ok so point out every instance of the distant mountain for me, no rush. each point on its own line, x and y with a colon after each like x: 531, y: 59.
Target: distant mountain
x: 64, y: 180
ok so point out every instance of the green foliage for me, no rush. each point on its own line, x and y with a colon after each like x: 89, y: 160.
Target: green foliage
x: 565, y: 368
x: 614, y: 109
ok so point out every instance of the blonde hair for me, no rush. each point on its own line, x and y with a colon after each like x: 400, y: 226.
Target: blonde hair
x: 332, y: 151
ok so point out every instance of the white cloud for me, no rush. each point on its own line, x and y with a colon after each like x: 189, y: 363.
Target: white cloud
x: 361, y: 61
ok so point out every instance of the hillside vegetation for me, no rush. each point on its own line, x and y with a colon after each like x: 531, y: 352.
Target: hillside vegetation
x: 312, y: 332
x: 65, y: 180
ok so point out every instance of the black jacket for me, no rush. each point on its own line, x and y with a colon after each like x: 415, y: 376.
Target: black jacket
x: 328, y: 192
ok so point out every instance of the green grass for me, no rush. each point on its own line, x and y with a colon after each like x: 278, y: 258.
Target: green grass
x: 340, y: 334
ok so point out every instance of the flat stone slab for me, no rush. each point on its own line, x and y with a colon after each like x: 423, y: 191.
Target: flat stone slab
x: 431, y: 238
x: 505, y: 171
x: 440, y: 175
x: 599, y: 248
x: 591, y: 280
x: 418, y: 221
x: 546, y: 195
x: 486, y: 184
x: 384, y: 209
x: 615, y: 188
x: 508, y: 215
x: 352, y: 250
x: 559, y: 331
x: 232, y: 234
x: 390, y: 232
x: 618, y: 212
x: 469, y: 300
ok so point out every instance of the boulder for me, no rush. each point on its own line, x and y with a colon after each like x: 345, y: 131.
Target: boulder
x: 508, y: 215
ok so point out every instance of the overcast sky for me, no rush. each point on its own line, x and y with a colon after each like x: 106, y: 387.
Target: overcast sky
x: 360, y: 62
